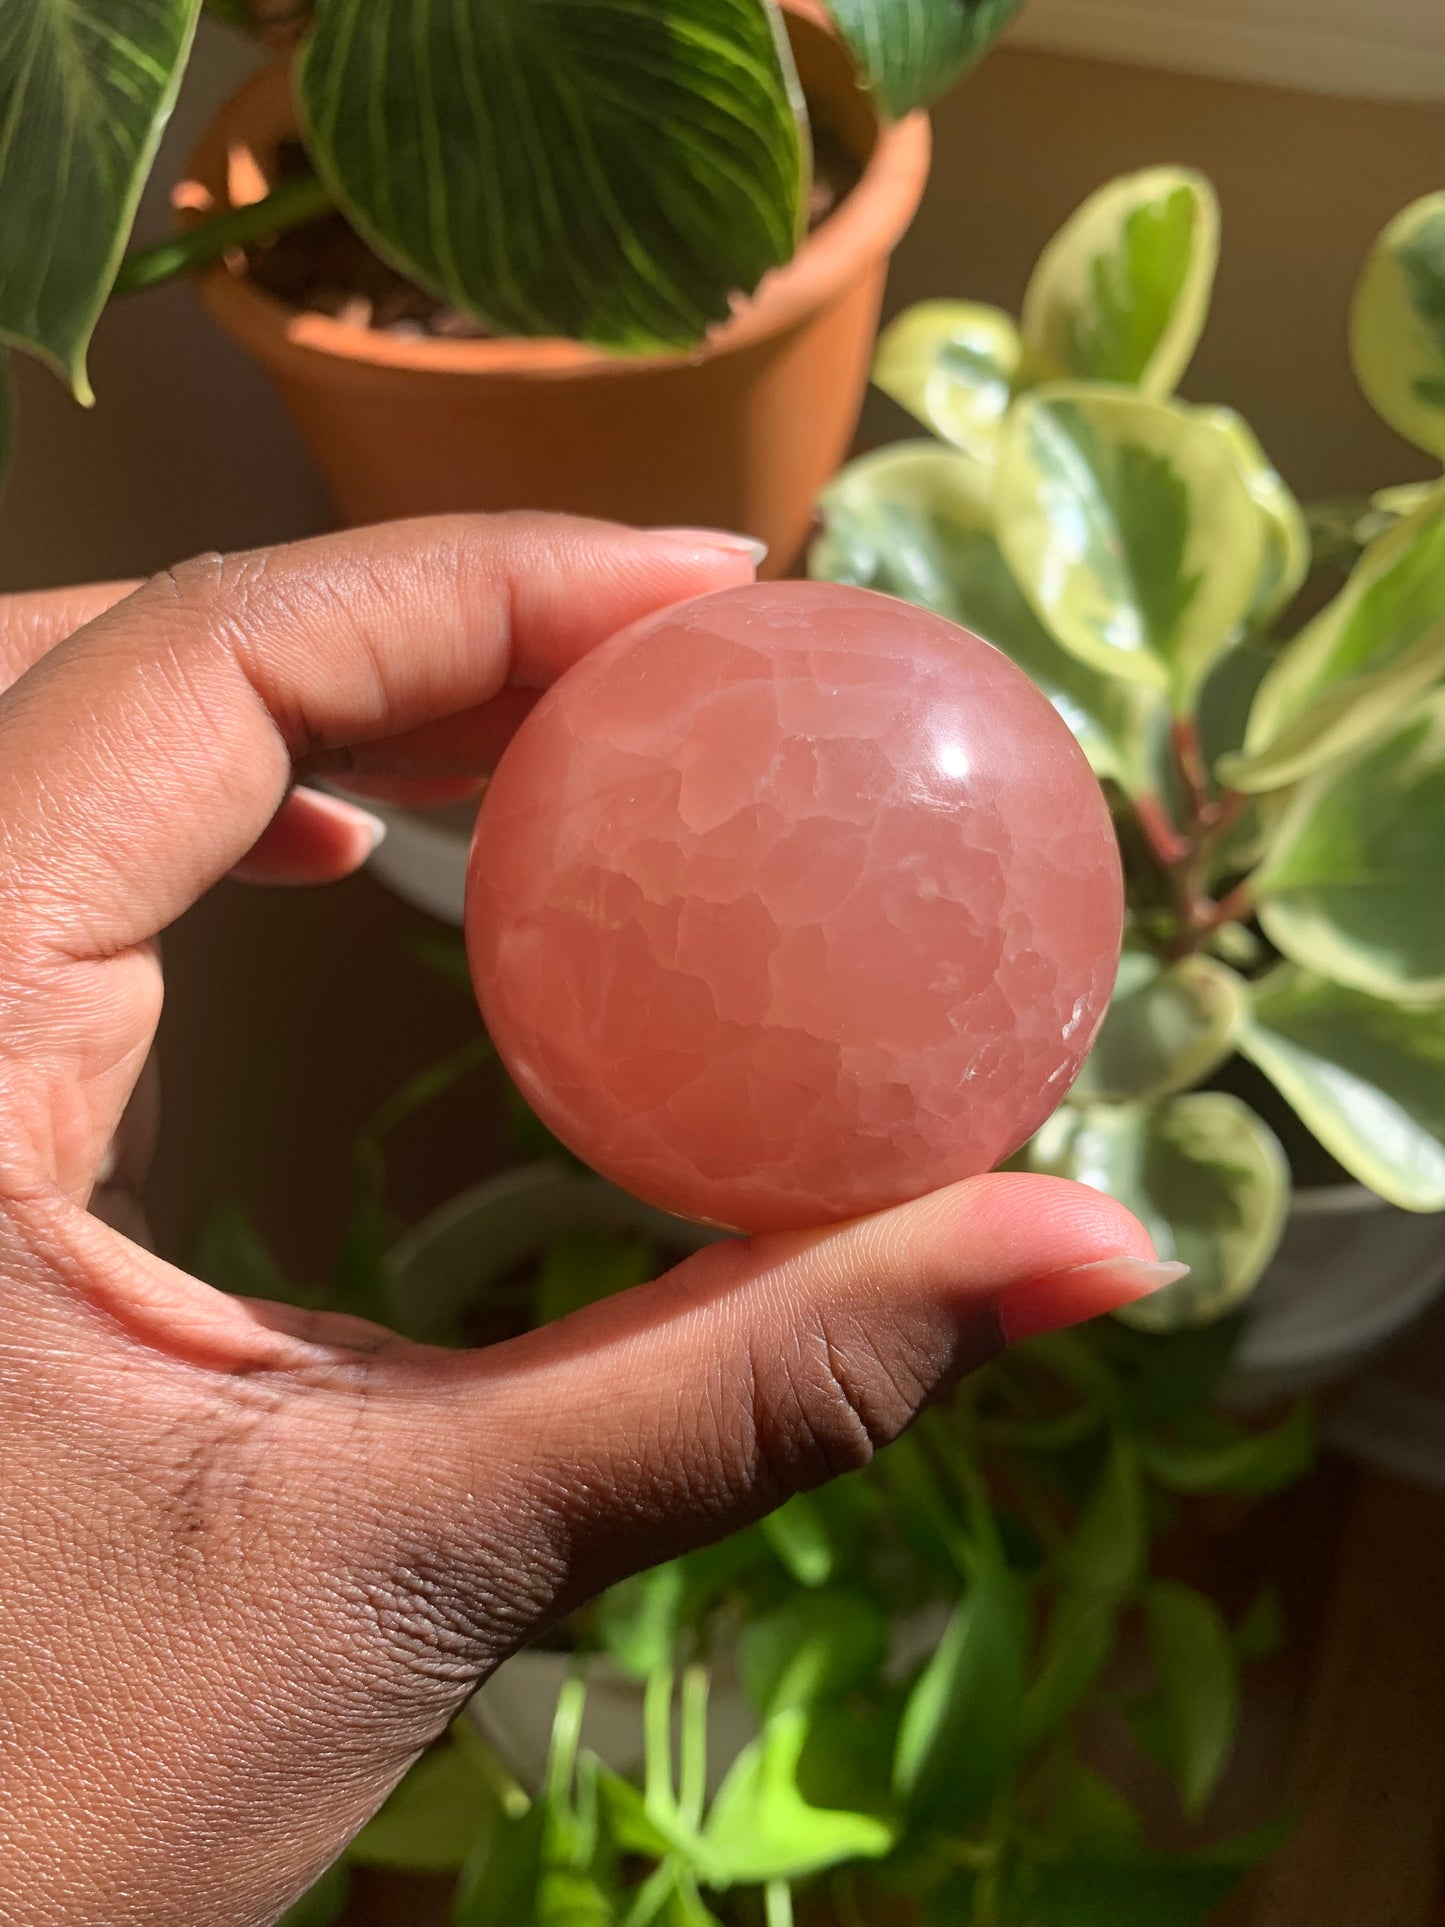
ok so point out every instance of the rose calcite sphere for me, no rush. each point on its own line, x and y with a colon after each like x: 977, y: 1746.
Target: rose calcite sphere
x: 793, y: 902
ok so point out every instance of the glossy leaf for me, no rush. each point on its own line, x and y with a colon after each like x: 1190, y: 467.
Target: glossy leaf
x: 498, y: 1886
x: 1254, y: 1464
x: 1362, y: 661
x: 585, y: 1266
x: 1397, y: 329
x: 1129, y: 527
x: 1198, y: 1684
x: 86, y: 87
x: 1351, y: 886
x: 814, y: 1646
x: 1122, y: 292
x: 912, y: 51
x: 952, y: 364
x: 1114, y: 1890
x: 590, y: 168
x: 761, y: 1828
x: 1285, y: 561
x: 1202, y: 1172
x: 435, y: 1818
x: 1261, y: 1630
x: 1106, y: 1553
x: 323, y: 1904
x: 1077, y: 1645
x: 916, y: 521
x: 1366, y: 1075
x: 231, y: 1254
x: 1167, y: 1027
x: 800, y: 1535
x: 962, y: 1720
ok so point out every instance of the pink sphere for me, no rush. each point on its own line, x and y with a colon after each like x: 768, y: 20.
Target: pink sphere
x: 791, y: 903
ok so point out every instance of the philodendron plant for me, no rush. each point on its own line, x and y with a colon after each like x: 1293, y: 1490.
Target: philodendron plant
x: 608, y: 170
x: 1278, y: 783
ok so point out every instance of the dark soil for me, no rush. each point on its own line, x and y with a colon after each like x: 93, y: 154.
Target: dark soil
x: 325, y: 267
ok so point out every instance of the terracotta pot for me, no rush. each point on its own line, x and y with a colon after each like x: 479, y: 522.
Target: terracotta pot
x: 741, y: 434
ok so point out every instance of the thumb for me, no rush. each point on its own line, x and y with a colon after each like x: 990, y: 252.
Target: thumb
x: 680, y: 1411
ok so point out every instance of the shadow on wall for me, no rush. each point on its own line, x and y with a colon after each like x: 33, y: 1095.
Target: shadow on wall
x: 187, y: 448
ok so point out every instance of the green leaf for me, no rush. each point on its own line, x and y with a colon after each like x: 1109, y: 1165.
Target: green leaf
x: 815, y: 1646
x: 761, y: 1827
x: 435, y: 1818
x: 323, y: 1903
x: 916, y: 521
x: 801, y: 1537
x: 599, y: 169
x: 622, y: 1810
x: 569, y: 1897
x: 1351, y: 886
x: 1129, y: 527
x: 1261, y: 1630
x: 1203, y: 1174
x: 1110, y: 1890
x: 1106, y: 1553
x: 1198, y: 1684
x: 1285, y: 561
x: 1167, y: 1027
x: 1366, y: 1075
x: 498, y: 1886
x: 1086, y: 1810
x: 1121, y: 293
x: 639, y: 1619
x: 231, y: 1254
x: 961, y: 1723
x: 1359, y: 664
x: 1077, y: 1646
x: 1397, y: 328
x: 86, y: 87
x: 585, y: 1266
x: 1253, y: 1463
x: 953, y: 365
x: 911, y: 51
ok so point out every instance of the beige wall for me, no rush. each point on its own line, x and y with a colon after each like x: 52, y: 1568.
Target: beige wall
x: 187, y: 449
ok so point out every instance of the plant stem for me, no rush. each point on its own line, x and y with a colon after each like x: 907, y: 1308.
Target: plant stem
x: 286, y: 206
x: 778, y: 1901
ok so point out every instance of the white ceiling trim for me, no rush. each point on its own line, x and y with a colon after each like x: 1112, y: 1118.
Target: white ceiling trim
x: 1394, y: 48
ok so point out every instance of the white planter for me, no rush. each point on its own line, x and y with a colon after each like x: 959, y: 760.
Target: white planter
x: 1351, y: 1272
x: 423, y: 857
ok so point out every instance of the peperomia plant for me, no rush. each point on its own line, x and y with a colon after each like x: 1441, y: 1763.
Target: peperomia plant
x: 936, y: 1654
x: 603, y: 169
x: 1278, y: 783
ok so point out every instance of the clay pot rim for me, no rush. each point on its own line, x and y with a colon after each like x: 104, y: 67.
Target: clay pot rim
x: 866, y: 227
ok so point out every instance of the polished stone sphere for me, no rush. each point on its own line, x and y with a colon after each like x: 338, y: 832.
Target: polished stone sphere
x: 793, y: 902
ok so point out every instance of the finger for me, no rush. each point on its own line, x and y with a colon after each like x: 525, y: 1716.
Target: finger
x: 31, y: 624
x: 678, y: 1412
x: 145, y: 756
x: 313, y: 838
x: 465, y: 745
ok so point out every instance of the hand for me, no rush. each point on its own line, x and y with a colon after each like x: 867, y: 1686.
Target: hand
x: 255, y: 1560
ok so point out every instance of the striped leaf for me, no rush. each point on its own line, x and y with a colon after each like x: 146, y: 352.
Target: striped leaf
x: 911, y: 51
x: 614, y: 171
x: 86, y: 86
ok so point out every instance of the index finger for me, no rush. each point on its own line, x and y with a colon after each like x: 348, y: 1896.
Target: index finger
x: 142, y: 757
x: 31, y: 623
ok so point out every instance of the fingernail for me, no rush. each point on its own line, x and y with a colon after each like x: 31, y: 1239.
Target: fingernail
x: 351, y: 814
x: 723, y: 539
x: 1063, y: 1298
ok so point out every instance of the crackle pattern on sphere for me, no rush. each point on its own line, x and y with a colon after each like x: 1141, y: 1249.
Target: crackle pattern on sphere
x: 792, y: 903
